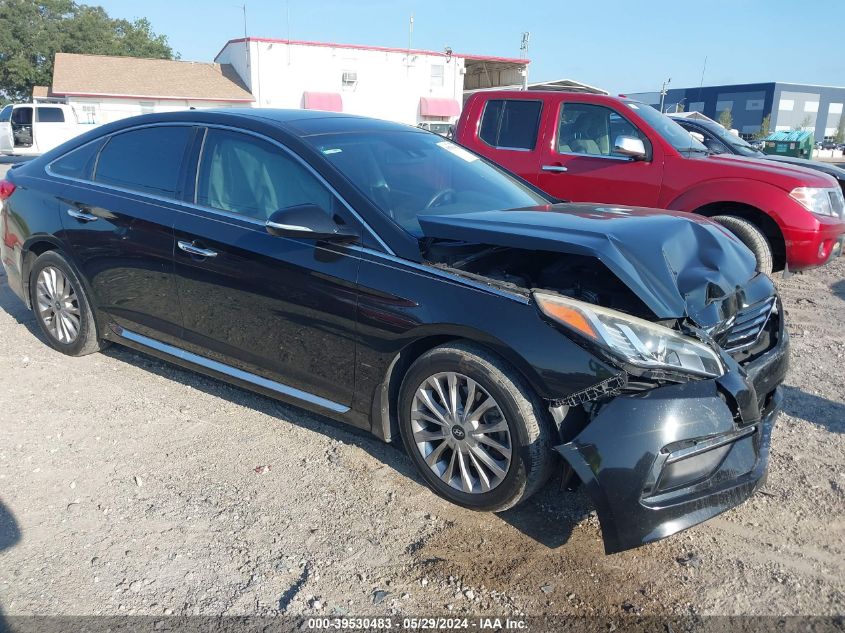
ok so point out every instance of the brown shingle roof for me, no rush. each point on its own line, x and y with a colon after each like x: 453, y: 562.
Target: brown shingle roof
x: 135, y: 77
x: 39, y: 91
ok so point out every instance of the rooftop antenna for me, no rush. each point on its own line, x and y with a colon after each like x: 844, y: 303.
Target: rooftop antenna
x: 701, y: 83
x: 523, y: 54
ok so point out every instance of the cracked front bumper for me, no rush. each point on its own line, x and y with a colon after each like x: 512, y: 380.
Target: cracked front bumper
x: 658, y: 462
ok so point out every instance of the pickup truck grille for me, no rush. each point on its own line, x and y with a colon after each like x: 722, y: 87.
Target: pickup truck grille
x: 747, y: 326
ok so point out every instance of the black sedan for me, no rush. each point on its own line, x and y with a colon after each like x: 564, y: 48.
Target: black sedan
x: 386, y: 277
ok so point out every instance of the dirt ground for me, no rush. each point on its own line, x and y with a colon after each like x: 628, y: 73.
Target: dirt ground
x: 129, y: 486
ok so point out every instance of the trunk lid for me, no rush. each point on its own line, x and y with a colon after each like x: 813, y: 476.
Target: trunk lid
x: 679, y: 264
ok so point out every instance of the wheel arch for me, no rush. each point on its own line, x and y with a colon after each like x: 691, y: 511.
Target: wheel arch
x: 384, y: 416
x: 34, y: 247
x: 758, y: 218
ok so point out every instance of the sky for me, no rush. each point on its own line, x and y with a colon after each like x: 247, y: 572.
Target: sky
x: 618, y: 45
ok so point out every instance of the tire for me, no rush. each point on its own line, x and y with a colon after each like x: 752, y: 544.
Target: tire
x: 515, y: 421
x: 53, y: 283
x: 752, y: 237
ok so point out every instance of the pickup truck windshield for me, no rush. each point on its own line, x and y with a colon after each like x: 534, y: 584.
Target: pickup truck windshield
x: 672, y: 133
x: 407, y: 174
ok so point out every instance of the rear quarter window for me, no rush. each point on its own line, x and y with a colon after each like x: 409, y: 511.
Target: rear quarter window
x: 78, y: 163
x: 148, y: 160
x: 510, y: 123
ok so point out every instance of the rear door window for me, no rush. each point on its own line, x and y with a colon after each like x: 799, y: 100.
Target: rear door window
x: 147, y: 160
x: 51, y: 115
x: 510, y: 123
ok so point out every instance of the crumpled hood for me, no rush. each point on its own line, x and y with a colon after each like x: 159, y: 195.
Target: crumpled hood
x: 677, y: 263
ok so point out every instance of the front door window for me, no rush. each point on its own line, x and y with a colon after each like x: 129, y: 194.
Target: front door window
x: 592, y: 130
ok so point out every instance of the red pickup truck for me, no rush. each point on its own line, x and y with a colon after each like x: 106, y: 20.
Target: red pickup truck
x: 613, y: 150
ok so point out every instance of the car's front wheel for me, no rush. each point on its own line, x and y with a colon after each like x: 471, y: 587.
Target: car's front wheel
x: 752, y: 237
x: 474, y: 429
x: 61, y: 306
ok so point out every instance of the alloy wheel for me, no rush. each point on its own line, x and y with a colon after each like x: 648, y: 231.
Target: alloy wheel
x: 461, y: 432
x: 58, y: 305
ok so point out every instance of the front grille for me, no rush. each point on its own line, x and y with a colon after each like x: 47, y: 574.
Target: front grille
x: 747, y: 326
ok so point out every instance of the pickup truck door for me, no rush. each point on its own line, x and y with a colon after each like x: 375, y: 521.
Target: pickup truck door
x: 7, y: 142
x: 579, y: 163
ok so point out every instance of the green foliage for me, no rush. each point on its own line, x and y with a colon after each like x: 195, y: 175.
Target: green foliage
x: 726, y: 119
x: 840, y: 130
x: 805, y: 123
x: 32, y: 32
x: 765, y: 127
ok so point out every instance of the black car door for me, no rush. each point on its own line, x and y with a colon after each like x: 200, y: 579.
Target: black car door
x: 279, y: 308
x: 118, y: 219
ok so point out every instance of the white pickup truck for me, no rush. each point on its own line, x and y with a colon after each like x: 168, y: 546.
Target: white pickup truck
x: 28, y: 129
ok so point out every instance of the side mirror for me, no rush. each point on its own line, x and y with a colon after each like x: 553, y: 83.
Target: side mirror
x: 629, y: 146
x: 308, y: 221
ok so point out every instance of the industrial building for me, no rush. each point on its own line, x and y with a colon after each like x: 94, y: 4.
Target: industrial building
x: 818, y: 109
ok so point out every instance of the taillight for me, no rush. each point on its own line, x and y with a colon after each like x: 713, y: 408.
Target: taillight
x: 6, y: 189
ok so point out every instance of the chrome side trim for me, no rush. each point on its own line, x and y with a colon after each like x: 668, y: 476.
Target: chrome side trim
x: 444, y: 274
x: 228, y: 370
x: 624, y: 159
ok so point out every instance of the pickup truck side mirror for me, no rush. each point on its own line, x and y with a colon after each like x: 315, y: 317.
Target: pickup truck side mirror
x: 308, y: 221
x: 629, y: 146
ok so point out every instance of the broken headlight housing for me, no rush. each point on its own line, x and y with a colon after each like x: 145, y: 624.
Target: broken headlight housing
x: 635, y: 341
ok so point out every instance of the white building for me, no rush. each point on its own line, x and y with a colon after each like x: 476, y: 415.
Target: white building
x: 405, y: 85
x: 103, y: 88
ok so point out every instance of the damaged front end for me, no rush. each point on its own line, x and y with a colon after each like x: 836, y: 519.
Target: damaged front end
x: 682, y: 431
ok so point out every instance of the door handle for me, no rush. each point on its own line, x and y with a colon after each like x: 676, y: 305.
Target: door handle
x: 82, y: 216
x: 188, y: 247
x: 555, y: 169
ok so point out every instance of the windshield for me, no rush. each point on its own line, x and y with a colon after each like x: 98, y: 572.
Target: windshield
x: 408, y: 174
x: 671, y: 132
x: 736, y: 143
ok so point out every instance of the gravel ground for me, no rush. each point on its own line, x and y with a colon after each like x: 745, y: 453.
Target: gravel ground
x: 129, y: 486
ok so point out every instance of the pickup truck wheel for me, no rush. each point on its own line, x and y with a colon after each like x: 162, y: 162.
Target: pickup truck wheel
x: 752, y: 237
x: 474, y: 428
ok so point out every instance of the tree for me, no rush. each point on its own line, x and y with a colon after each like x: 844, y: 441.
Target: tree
x: 806, y: 122
x: 765, y: 127
x: 726, y: 119
x: 32, y: 32
x: 840, y: 130
x: 680, y: 107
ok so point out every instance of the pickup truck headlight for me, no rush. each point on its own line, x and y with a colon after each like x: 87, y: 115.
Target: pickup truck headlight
x: 634, y: 340
x: 827, y: 202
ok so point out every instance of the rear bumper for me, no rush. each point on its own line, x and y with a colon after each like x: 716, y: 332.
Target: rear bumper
x: 664, y: 460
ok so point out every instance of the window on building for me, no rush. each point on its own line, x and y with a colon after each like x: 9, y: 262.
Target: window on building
x: 510, y: 123
x: 754, y: 104
x: 349, y: 79
x: 721, y: 106
x: 696, y: 106
x: 245, y: 175
x: 79, y: 163
x: 835, y: 108
x: 811, y: 106
x: 786, y: 105
x: 437, y: 71
x: 148, y: 159
x: 147, y: 107
x: 51, y: 115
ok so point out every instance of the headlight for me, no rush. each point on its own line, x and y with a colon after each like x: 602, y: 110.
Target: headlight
x: 634, y: 340
x: 827, y: 202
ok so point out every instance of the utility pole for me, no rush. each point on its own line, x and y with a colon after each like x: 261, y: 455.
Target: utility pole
x: 523, y: 54
x: 664, y: 92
